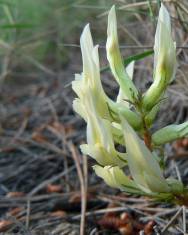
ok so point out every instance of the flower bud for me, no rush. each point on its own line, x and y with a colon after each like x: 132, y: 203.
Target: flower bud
x: 150, y: 117
x: 170, y: 133
x: 132, y: 117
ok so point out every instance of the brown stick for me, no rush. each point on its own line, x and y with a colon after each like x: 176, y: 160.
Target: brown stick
x: 82, y: 186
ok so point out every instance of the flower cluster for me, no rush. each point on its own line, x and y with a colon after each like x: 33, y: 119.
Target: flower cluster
x: 127, y: 121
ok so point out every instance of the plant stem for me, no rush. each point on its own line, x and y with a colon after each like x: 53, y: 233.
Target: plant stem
x: 146, y: 135
x: 147, y: 139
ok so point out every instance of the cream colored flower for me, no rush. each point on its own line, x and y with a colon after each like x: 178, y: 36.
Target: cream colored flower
x: 164, y: 60
x: 96, y: 108
x: 143, y: 166
x: 88, y: 85
x: 115, y: 59
x: 100, y: 143
x: 115, y: 177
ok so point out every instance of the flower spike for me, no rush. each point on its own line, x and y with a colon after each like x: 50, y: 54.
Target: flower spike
x: 112, y: 140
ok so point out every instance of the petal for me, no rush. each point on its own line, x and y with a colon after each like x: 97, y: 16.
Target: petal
x: 121, y: 98
x: 86, y: 44
x: 79, y: 108
x: 104, y: 158
x: 101, y: 144
x: 164, y: 48
x: 115, y: 177
x: 155, y: 184
x: 140, y: 159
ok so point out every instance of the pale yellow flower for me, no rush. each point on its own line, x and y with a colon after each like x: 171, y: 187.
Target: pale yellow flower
x: 100, y: 143
x: 115, y: 177
x: 115, y: 59
x: 143, y: 166
x: 88, y: 85
x: 164, y: 60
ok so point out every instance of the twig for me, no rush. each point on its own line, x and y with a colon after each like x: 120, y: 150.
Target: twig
x: 132, y: 5
x: 172, y: 220
x: 177, y: 170
x: 28, y: 211
x: 93, y: 232
x: 82, y: 186
x: 49, y: 181
x: 184, y: 219
x: 20, y: 131
x: 157, y: 231
x: 115, y: 209
x: 20, y: 225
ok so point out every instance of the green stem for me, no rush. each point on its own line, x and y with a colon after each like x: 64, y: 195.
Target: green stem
x: 146, y: 134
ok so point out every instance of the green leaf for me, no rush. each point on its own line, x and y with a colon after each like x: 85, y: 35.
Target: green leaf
x: 128, y: 60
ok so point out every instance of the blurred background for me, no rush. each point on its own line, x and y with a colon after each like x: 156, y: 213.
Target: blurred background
x: 42, y: 172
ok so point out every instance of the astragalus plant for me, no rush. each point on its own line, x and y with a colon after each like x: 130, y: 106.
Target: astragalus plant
x: 128, y: 120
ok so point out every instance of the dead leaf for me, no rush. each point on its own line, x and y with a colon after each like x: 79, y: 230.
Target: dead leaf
x: 14, y: 211
x: 39, y: 137
x: 15, y: 194
x: 4, y: 225
x: 58, y: 213
x: 54, y: 188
